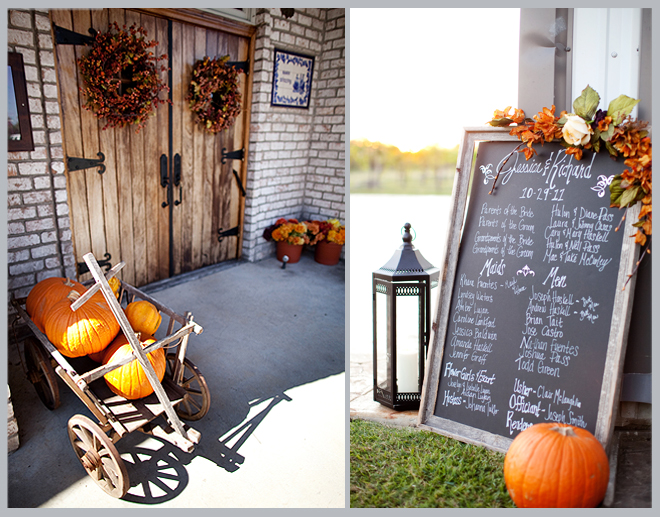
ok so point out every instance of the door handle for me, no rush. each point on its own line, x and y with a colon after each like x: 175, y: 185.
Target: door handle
x: 164, y: 178
x: 177, y: 177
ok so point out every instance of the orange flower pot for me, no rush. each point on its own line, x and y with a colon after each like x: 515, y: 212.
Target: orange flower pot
x: 292, y: 251
x: 327, y: 253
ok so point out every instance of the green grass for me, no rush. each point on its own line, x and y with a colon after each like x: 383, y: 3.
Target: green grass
x: 414, y: 182
x: 409, y: 468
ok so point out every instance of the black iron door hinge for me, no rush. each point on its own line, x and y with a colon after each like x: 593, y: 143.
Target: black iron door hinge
x: 77, y: 164
x: 82, y: 266
x: 232, y: 155
x: 66, y: 37
x: 227, y: 233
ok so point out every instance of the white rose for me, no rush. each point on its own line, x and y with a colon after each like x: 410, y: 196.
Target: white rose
x: 576, y: 131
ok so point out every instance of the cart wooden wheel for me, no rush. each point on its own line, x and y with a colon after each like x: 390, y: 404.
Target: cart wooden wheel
x: 98, y: 456
x: 41, y: 374
x: 197, y: 401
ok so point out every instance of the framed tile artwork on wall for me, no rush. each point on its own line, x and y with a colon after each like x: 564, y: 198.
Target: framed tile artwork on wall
x: 292, y: 79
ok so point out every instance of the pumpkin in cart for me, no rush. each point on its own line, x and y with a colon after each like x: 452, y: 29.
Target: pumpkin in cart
x: 143, y: 316
x: 115, y: 285
x: 130, y: 381
x: 97, y: 357
x: 82, y: 332
x: 553, y: 465
x: 46, y: 294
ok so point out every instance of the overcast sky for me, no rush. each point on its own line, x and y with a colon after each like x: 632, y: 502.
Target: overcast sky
x: 418, y: 76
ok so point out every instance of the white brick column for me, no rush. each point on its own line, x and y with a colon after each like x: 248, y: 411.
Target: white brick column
x: 325, y: 185
x: 39, y: 238
x: 296, y: 159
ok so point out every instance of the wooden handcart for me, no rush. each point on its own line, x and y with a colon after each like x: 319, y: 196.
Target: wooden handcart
x: 182, y: 394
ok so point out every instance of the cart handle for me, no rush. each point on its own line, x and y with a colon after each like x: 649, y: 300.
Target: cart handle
x: 140, y: 355
x: 100, y: 371
x: 95, y: 288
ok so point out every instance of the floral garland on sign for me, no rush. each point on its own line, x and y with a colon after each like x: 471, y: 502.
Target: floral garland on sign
x: 120, y: 76
x: 213, y: 93
x: 592, y: 128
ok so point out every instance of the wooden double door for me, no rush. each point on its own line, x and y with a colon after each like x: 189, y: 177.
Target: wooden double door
x: 170, y: 199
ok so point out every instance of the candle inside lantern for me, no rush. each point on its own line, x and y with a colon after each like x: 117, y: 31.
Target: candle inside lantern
x: 407, y: 369
x: 407, y: 347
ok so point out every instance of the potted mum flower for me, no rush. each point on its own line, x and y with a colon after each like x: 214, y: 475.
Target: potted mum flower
x: 290, y: 236
x: 329, y: 237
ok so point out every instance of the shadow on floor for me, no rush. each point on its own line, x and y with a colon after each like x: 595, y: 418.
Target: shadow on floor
x: 161, y: 473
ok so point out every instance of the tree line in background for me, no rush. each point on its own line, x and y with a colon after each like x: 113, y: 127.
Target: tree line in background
x: 382, y: 168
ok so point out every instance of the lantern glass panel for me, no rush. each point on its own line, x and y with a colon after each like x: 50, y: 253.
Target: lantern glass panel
x: 383, y: 345
x: 407, y: 343
x: 434, y: 302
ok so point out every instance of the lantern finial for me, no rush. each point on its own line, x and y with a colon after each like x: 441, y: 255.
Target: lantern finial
x: 407, y: 237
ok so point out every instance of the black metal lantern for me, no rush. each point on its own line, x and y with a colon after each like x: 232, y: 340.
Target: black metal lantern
x: 402, y: 325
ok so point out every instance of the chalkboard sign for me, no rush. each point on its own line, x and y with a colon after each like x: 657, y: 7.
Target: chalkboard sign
x: 532, y: 319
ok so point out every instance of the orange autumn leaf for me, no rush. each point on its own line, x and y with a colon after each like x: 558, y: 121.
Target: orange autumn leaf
x: 648, y: 225
x: 517, y: 116
x: 604, y: 124
x: 646, y: 209
x: 575, y: 151
x: 546, y: 122
x: 529, y: 152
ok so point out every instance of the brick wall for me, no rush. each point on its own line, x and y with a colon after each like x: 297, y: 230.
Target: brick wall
x: 296, y: 157
x: 39, y: 239
x: 325, y: 186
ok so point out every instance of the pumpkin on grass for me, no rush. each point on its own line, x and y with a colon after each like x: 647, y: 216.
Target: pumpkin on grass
x: 46, y: 294
x: 84, y: 331
x: 553, y: 465
x: 143, y: 316
x: 129, y: 380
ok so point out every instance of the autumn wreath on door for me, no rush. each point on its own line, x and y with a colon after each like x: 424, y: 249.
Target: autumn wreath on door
x: 121, y: 80
x: 213, y: 93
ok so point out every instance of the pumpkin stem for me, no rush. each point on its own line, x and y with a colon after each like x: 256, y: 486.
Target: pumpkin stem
x: 73, y: 296
x: 68, y: 283
x: 564, y: 431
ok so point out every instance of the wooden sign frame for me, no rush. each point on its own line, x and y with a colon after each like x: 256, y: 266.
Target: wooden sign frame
x: 611, y: 385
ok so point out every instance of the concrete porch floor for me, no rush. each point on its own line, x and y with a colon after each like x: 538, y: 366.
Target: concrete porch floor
x: 272, y: 352
x: 630, y: 463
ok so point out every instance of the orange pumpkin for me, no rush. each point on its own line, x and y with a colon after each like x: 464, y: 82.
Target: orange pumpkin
x: 143, y: 316
x: 552, y: 465
x: 76, y: 333
x: 46, y: 294
x: 114, y: 285
x: 129, y: 380
x: 98, y: 356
